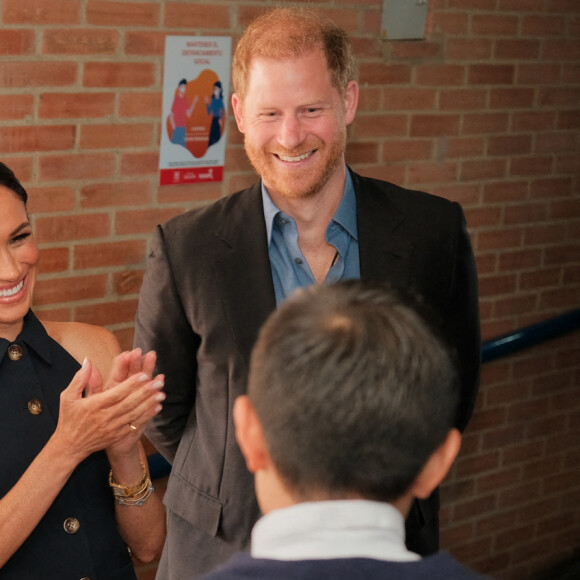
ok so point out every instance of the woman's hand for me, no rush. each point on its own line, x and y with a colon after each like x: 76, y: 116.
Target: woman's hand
x: 103, y: 418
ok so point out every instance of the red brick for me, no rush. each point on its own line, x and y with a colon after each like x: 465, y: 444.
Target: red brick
x: 559, y: 96
x: 499, y: 239
x: 16, y: 42
x: 453, y: 148
x: 481, y: 505
x: 119, y: 74
x: 384, y: 74
x: 30, y: 12
x: 132, y: 14
x: 534, y: 121
x: 81, y: 166
x: 14, y: 107
x: 483, y: 216
x: 54, y: 260
x: 188, y: 193
x: 107, y: 313
x: 526, y: 214
x: 450, y: 22
x: 479, y: 123
x: 407, y: 150
x: 37, y: 138
x: 483, y: 169
x: 419, y: 173
x: 140, y: 104
x: 380, y: 126
x: 440, y: 75
x: 520, y: 259
x: 116, y: 194
x: 568, y: 120
x: 561, y: 50
x: 491, y: 74
x: 16, y: 75
x: 517, y: 49
x: 71, y: 289
x: 544, y: 234
x: 434, y: 125
x: 139, y: 164
x: 109, y: 254
x: 474, y: 49
x: 512, y: 98
x: 72, y: 227
x: 542, y: 25
x: 179, y: 15
x: 125, y: 337
x: 538, y: 74
x: 74, y: 105
x: 409, y: 99
x: 125, y: 135
x: 145, y: 42
x: 510, y: 145
x: 80, y: 41
x: 531, y: 166
x: 50, y: 199
x: 462, y: 99
x: 423, y: 50
x: 505, y: 191
x: 142, y: 221
x: 491, y: 24
x: 54, y: 314
x: 555, y: 187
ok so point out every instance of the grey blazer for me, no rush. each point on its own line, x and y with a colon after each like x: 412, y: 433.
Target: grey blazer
x: 208, y: 289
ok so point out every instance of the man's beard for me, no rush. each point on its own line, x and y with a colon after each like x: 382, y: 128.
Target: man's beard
x: 298, y: 184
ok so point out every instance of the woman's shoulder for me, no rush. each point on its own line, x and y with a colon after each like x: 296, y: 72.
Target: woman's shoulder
x: 85, y: 340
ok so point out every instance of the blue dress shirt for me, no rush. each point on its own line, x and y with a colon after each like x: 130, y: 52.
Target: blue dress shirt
x: 290, y: 270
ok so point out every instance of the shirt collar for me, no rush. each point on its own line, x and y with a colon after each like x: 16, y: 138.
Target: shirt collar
x: 345, y: 214
x: 332, y: 529
x: 34, y: 336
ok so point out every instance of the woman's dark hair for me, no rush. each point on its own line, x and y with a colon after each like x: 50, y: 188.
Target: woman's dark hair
x: 218, y: 84
x: 9, y: 180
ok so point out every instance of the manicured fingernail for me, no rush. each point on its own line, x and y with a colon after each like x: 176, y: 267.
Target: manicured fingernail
x: 142, y: 378
x: 85, y: 363
x: 157, y: 384
x: 160, y: 396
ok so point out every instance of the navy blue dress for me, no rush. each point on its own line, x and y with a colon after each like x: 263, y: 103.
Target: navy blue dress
x: 78, y: 536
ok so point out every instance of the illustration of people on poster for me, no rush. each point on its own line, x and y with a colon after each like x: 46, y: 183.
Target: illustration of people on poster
x: 195, y: 95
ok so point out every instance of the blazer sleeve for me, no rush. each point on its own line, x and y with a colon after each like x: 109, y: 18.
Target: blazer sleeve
x: 162, y: 325
x: 462, y: 321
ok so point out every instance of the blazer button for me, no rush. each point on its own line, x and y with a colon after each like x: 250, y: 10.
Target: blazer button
x: 14, y: 352
x: 71, y: 525
x: 35, y: 406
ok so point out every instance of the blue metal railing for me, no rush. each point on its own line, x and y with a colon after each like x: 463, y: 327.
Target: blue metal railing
x: 491, y: 349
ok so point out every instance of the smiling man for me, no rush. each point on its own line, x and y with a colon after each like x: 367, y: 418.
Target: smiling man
x: 216, y: 273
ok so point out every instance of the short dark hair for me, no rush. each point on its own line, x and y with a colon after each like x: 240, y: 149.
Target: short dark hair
x: 293, y: 32
x: 9, y: 180
x: 354, y: 391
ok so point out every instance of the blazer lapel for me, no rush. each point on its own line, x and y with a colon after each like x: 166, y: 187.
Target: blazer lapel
x: 243, y: 271
x: 385, y: 255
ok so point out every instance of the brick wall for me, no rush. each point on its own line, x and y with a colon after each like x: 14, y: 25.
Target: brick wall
x: 485, y: 111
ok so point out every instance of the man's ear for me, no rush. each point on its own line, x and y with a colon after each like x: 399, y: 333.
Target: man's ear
x: 249, y: 435
x: 437, y: 466
x: 238, y: 112
x: 350, y: 102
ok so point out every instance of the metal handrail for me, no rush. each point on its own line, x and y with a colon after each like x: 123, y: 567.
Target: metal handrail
x: 530, y: 335
x: 491, y: 349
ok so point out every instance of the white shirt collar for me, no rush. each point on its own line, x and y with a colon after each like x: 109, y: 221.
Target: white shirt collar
x: 332, y: 529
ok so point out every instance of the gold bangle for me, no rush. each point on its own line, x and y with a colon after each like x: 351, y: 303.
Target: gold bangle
x: 137, y: 499
x: 130, y: 490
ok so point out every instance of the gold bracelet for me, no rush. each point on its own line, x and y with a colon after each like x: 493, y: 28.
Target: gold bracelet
x: 130, y: 490
x: 139, y: 498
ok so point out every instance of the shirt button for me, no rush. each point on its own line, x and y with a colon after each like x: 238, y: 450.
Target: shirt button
x: 14, y: 352
x: 71, y: 525
x: 35, y: 406
x: 298, y: 260
x: 283, y: 221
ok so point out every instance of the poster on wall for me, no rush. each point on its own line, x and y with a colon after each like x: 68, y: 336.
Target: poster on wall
x: 195, y: 96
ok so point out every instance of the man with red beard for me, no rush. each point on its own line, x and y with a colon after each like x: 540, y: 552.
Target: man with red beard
x: 215, y: 274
